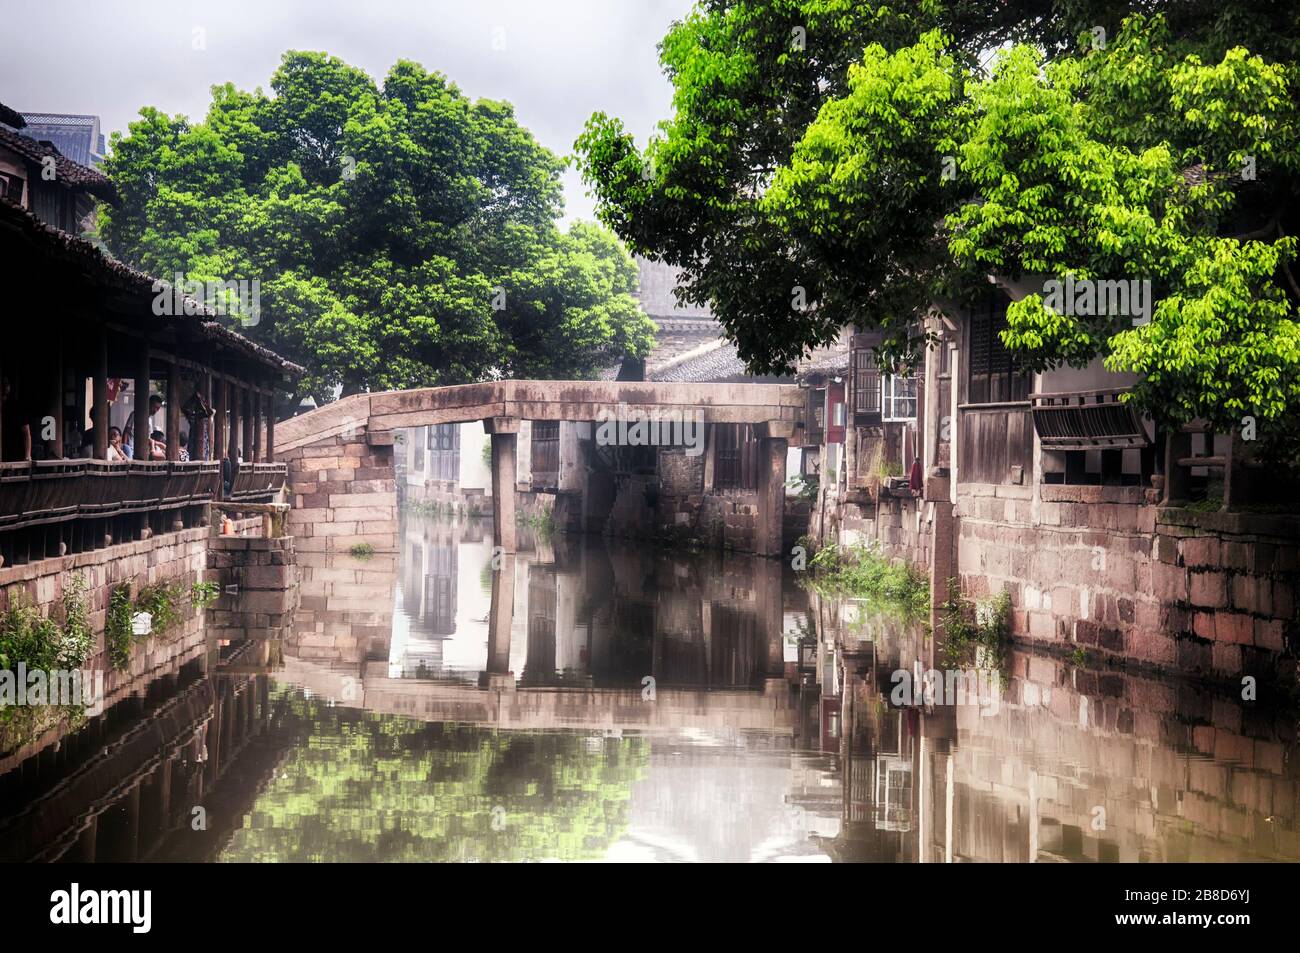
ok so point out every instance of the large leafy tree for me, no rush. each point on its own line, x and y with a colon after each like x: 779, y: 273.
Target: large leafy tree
x: 403, y: 235
x: 830, y: 162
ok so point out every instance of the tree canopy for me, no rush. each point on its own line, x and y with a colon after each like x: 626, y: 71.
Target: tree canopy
x: 402, y: 235
x: 831, y: 163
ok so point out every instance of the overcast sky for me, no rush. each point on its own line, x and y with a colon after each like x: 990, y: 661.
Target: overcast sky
x: 562, y: 59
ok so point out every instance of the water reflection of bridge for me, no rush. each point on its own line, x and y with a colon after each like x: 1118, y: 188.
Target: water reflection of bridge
x: 563, y: 634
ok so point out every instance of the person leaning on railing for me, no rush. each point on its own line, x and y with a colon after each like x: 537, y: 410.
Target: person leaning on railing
x: 115, y: 452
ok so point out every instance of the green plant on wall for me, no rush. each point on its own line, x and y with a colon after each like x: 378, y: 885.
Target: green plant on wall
x: 38, y: 641
x: 117, y: 627
x: 971, y: 627
x: 863, y: 573
x: 162, y: 602
x: 204, y: 594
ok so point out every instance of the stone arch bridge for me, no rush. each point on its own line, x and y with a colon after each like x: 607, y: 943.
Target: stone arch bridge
x: 340, y: 457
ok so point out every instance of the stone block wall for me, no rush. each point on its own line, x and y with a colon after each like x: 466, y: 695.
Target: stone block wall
x: 344, y: 494
x: 179, y: 558
x: 1206, y: 594
x: 266, y: 582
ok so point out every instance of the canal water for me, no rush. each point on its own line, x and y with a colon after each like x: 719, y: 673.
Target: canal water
x: 592, y: 699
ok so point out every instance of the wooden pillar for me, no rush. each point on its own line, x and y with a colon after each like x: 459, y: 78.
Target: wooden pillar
x: 270, y: 427
x: 56, y: 411
x: 219, y: 420
x: 504, y: 434
x: 255, y: 396
x: 247, y: 446
x: 232, y: 447
x: 173, y: 410
x: 100, y: 397
x: 1178, y: 445
x: 142, y: 401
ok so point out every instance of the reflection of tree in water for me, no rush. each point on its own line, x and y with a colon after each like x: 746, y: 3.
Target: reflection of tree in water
x: 359, y: 786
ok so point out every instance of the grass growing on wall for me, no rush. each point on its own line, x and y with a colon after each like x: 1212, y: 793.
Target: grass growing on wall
x: 970, y: 627
x: 542, y: 521
x: 117, y: 627
x: 204, y: 594
x: 163, y: 603
x: 42, y: 642
x: 863, y: 573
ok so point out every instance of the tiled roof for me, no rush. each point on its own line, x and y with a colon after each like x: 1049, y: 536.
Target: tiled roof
x: 716, y: 362
x: 108, y: 270
x: 65, y: 170
x: 828, y: 361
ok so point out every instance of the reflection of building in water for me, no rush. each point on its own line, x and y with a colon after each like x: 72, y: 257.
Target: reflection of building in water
x: 1069, y: 765
x: 128, y: 784
x: 428, y: 601
x: 576, y: 612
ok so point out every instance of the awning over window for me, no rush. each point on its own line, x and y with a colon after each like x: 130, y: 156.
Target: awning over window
x: 1086, y: 420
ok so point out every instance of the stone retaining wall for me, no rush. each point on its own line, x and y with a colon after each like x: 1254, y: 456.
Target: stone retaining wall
x: 1207, y: 594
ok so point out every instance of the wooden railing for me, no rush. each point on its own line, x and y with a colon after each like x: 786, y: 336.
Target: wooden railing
x: 49, y: 491
x: 258, y: 481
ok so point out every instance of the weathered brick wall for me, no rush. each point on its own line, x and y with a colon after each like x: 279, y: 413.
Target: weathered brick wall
x: 681, y: 473
x: 1207, y: 594
x: 344, y: 494
x: 1231, y: 583
x: 178, y: 558
x: 265, y: 581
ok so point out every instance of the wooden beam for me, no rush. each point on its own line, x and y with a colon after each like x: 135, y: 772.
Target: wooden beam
x: 142, y: 401
x: 57, y: 409
x: 219, y: 419
x: 99, y: 412
x: 173, y: 411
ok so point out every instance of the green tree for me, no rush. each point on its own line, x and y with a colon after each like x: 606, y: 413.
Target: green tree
x: 829, y: 162
x: 402, y: 234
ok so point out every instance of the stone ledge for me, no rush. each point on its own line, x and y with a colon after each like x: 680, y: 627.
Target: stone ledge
x: 1089, y: 493
x: 1242, y: 524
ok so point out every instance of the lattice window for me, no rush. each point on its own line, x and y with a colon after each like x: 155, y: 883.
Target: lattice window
x: 992, y: 374
x: 735, y: 459
x: 546, y: 448
x: 866, y: 382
